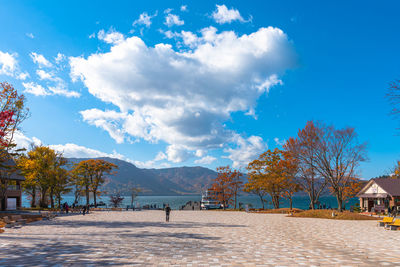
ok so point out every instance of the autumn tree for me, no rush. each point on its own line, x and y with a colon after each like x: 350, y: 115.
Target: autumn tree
x: 352, y: 188
x: 339, y: 155
x: 254, y: 186
x: 12, y: 113
x: 42, y: 167
x: 270, y: 174
x: 304, y: 150
x: 90, y: 175
x: 226, y: 186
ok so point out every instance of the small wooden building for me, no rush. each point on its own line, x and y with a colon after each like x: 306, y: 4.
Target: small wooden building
x: 12, y: 180
x: 379, y: 194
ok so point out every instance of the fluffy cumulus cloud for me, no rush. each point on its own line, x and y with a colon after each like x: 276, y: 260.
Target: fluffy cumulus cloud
x: 224, y: 15
x: 183, y: 97
x: 9, y: 66
x: 171, y: 20
x: 245, y: 150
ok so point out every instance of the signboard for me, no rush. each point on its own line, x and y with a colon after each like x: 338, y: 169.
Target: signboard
x: 11, y: 203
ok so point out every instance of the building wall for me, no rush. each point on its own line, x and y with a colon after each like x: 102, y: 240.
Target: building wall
x: 375, y: 189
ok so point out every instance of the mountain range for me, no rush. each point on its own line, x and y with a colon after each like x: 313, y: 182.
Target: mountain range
x: 167, y: 181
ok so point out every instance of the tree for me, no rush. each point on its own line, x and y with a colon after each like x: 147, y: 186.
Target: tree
x: 45, y: 172
x: 269, y: 174
x: 304, y: 150
x: 253, y: 187
x: 90, y: 176
x: 226, y: 185
x: 84, y: 173
x: 12, y: 113
x: 339, y: 155
x: 101, y: 167
x: 352, y: 188
x: 289, y: 165
x: 134, y: 193
x: 394, y: 96
x: 116, y: 199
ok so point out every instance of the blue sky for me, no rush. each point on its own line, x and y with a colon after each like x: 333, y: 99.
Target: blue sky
x: 172, y: 83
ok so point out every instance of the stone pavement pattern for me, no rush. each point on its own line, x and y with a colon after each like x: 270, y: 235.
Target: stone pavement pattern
x: 198, y: 238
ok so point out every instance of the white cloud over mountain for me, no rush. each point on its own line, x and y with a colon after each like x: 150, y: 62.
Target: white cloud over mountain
x: 183, y: 97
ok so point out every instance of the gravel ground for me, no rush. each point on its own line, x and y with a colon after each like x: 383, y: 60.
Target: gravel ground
x: 198, y: 238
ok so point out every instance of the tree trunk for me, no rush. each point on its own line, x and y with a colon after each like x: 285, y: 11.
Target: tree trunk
x: 262, y: 201
x: 43, y: 201
x: 291, y: 203
x: 51, y: 198
x: 339, y: 201
x: 235, y: 199
x: 3, y: 203
x: 94, y: 197
x: 87, y: 195
x: 33, y: 200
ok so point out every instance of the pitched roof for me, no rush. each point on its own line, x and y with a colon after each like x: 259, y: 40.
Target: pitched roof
x: 13, y: 174
x: 390, y: 185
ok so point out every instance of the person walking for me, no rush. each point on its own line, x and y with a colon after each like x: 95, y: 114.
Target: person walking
x: 167, y: 212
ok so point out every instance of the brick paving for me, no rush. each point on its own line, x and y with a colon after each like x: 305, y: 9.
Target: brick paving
x: 198, y: 238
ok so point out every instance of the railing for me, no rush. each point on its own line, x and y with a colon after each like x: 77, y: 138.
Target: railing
x: 13, y: 187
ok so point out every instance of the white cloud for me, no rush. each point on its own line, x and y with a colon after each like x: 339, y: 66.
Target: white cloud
x: 59, y: 58
x: 8, y: 63
x: 144, y: 19
x: 57, y: 87
x: 177, y: 153
x: 110, y: 37
x: 279, y: 142
x: 9, y: 66
x: 184, y: 8
x: 92, y: 36
x: 35, y: 89
x: 224, y: 15
x: 30, y: 35
x: 106, y: 120
x: 60, y: 89
x: 205, y: 160
x: 40, y: 60
x: 22, y: 76
x: 182, y: 98
x: 246, y: 150
x: 171, y: 20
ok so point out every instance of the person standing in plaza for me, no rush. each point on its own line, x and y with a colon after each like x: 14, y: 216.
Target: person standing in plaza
x: 167, y: 212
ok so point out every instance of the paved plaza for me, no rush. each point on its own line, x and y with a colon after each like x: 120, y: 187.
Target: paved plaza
x: 198, y: 238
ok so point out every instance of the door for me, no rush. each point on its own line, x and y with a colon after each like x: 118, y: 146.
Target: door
x: 370, y: 204
x: 11, y: 203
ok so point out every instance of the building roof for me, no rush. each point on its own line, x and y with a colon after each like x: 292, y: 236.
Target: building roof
x: 14, y: 174
x: 390, y: 185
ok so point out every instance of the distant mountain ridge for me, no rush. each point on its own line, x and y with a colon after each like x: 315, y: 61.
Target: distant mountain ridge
x: 167, y: 181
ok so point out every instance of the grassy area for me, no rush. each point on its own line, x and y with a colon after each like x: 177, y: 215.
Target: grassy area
x: 277, y: 211
x: 327, y: 214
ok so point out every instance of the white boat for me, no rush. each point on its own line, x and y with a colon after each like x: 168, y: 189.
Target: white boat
x: 209, y: 202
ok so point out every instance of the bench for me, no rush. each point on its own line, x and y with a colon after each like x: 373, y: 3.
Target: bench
x: 386, y: 220
x: 394, y: 225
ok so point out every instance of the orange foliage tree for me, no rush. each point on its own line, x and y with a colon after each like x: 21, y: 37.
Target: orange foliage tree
x: 226, y: 186
x: 274, y: 174
x: 304, y: 149
x: 90, y: 176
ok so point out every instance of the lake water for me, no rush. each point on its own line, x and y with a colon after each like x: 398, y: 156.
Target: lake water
x: 175, y: 202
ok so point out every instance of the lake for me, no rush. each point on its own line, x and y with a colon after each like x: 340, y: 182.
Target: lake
x: 301, y: 202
